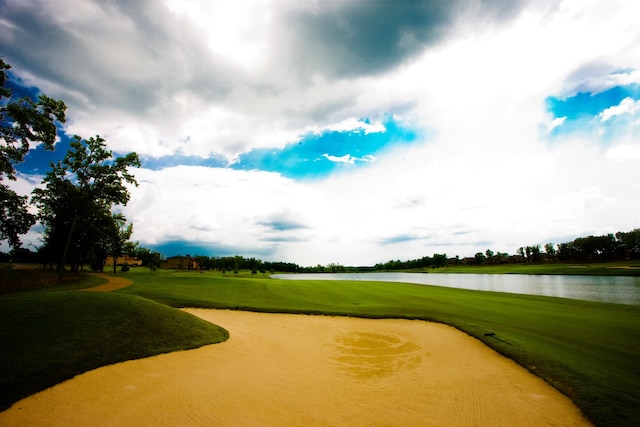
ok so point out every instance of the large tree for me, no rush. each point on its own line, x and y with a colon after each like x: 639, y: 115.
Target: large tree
x: 78, y: 195
x: 23, y: 122
x: 119, y: 237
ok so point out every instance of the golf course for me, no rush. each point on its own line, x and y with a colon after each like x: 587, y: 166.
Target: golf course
x: 577, y: 359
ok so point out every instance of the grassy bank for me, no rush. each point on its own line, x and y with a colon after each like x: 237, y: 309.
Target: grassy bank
x: 587, y: 350
x: 50, y: 336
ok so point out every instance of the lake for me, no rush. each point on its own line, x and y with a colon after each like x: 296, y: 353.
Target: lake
x: 615, y: 289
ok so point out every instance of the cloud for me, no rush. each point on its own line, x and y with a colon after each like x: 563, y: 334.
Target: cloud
x: 324, y: 151
x: 153, y: 76
x: 218, y: 207
x: 596, y: 77
x: 348, y: 158
x: 403, y: 238
x: 182, y: 247
x: 558, y: 121
x: 253, y: 120
x: 626, y: 106
x: 355, y: 38
x: 282, y: 222
x: 595, y: 113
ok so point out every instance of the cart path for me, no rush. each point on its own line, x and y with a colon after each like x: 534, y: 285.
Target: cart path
x: 113, y: 283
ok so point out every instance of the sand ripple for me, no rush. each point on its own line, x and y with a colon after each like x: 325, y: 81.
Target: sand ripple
x: 279, y: 369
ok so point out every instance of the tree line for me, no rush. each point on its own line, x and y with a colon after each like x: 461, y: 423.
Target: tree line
x: 237, y: 262
x: 234, y: 263
x: 609, y: 247
x: 76, y: 201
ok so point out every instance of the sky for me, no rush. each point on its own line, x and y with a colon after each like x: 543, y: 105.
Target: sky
x: 346, y: 131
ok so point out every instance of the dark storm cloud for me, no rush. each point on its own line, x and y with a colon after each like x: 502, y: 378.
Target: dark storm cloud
x: 400, y: 238
x: 214, y: 249
x: 362, y: 37
x: 112, y: 53
x: 282, y: 223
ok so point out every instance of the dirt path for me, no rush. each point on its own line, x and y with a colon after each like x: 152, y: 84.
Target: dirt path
x: 279, y: 369
x: 113, y: 283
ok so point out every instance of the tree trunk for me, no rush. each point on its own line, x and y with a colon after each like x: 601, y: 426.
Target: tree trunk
x: 66, y: 248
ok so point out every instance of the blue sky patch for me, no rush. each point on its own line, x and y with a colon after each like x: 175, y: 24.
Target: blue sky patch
x: 37, y: 161
x: 313, y: 156
x: 582, y: 112
x: 154, y: 163
x: 319, y: 155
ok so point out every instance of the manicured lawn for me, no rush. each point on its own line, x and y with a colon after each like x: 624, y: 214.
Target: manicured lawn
x: 47, y: 337
x: 587, y: 350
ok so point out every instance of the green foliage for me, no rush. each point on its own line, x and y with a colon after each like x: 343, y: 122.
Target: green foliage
x: 15, y: 219
x: 78, y: 195
x: 23, y: 122
x: 117, y: 237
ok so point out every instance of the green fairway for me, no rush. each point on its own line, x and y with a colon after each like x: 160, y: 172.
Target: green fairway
x: 587, y: 350
x: 50, y: 336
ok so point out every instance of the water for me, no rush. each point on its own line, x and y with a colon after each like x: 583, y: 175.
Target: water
x: 615, y: 289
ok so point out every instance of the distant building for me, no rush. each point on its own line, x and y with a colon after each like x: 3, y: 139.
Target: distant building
x: 179, y: 263
x: 122, y: 260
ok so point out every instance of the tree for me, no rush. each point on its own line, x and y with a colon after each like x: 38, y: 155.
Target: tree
x: 550, y: 250
x: 80, y: 189
x: 15, y: 219
x: 203, y: 261
x: 489, y: 253
x: 119, y: 236
x: 480, y: 258
x: 630, y: 242
x: 533, y: 253
x: 439, y: 260
x: 23, y: 122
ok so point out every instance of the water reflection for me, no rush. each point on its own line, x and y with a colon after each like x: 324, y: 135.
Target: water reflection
x: 615, y: 289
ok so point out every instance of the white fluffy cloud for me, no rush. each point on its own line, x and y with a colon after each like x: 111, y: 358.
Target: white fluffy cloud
x: 626, y: 106
x: 207, y: 79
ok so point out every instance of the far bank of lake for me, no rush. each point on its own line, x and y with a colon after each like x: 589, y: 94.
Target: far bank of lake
x: 612, y: 289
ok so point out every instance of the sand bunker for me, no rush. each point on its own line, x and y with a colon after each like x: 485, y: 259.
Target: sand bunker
x: 279, y: 369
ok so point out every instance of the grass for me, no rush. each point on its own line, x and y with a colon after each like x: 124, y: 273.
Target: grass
x: 50, y: 336
x: 31, y: 277
x: 587, y: 350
